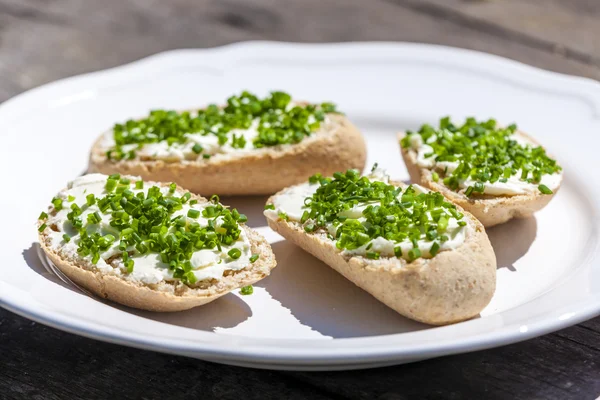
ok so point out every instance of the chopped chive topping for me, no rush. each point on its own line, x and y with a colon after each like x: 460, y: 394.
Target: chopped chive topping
x: 197, y: 148
x: 253, y: 258
x: 71, y: 198
x: 246, y: 290
x: 480, y: 152
x: 274, y: 117
x: 43, y: 215
x: 544, y: 189
x: 144, y: 222
x: 193, y: 213
x: 206, y: 156
x: 41, y: 228
x: 269, y: 207
x: 110, y: 185
x: 434, y: 176
x: 283, y: 216
x: 57, y: 203
x: 234, y: 253
x: 413, y: 254
x: 435, y: 247
x: 139, y: 185
x: 66, y: 238
x: 386, y: 211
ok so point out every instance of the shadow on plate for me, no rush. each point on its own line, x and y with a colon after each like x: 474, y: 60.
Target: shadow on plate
x: 512, y: 240
x: 35, y: 258
x: 226, y: 312
x: 325, y: 301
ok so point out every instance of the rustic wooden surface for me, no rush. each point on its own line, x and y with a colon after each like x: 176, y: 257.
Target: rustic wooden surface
x: 42, y: 40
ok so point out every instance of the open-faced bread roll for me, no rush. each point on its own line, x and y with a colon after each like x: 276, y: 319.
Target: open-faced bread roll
x: 149, y: 245
x: 251, y: 146
x: 496, y: 173
x: 408, y: 247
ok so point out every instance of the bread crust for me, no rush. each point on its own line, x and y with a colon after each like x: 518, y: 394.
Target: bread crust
x: 489, y: 210
x: 337, y: 146
x: 453, y: 286
x: 164, y: 296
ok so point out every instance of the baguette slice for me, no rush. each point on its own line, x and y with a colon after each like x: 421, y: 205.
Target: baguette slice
x: 336, y: 146
x: 488, y: 209
x: 453, y: 286
x: 164, y: 296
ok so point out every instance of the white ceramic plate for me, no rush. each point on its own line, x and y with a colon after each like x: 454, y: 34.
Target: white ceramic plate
x: 305, y: 316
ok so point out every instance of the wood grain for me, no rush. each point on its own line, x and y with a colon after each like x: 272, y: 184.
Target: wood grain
x: 43, y: 40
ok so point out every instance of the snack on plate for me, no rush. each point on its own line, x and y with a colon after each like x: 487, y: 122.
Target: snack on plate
x: 250, y: 146
x: 496, y: 173
x: 149, y: 245
x: 409, y: 247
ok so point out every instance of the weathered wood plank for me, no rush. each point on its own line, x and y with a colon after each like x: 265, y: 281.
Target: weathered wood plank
x: 41, y: 361
x: 41, y: 41
x: 568, y: 28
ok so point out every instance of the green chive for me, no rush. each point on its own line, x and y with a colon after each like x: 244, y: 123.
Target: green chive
x: 234, y: 253
x: 43, y: 215
x: 197, y: 148
x: 545, y: 189
x: 435, y: 177
x: 435, y: 247
x: 413, y: 254
x: 41, y: 228
x: 253, y: 258
x: 57, y: 203
x: 398, y: 251
x: 309, y: 228
x: 247, y: 290
x: 66, y: 238
x: 193, y: 213
x: 269, y: 207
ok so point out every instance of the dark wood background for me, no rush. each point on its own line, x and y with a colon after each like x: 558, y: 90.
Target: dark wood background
x: 42, y: 40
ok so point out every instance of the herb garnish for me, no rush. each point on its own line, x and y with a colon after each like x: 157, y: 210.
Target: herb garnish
x: 278, y: 123
x: 484, y: 152
x: 389, y: 211
x: 144, y: 222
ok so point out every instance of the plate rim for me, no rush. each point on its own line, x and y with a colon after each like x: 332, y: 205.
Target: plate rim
x: 333, y: 356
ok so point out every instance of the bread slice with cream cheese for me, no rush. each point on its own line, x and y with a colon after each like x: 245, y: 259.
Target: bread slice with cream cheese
x: 451, y: 284
x: 280, y: 147
x: 500, y: 201
x: 145, y: 280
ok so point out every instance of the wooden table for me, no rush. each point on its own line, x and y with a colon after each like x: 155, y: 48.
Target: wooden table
x: 42, y: 40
